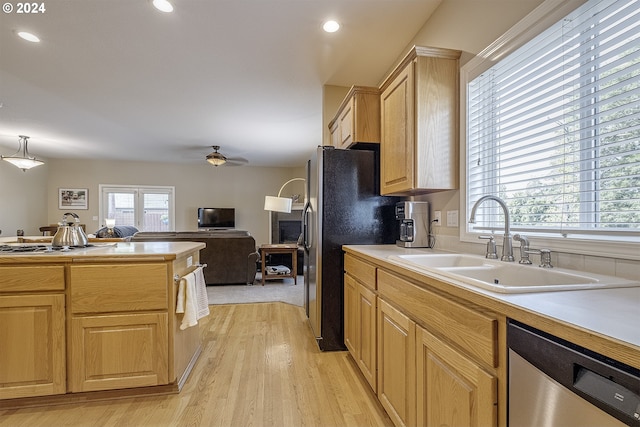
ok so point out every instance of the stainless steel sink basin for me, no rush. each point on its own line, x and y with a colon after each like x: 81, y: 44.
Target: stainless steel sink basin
x: 506, y: 277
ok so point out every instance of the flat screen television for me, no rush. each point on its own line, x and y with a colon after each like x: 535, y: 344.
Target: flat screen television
x: 216, y: 217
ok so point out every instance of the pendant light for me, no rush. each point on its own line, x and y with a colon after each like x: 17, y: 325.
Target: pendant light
x: 25, y: 161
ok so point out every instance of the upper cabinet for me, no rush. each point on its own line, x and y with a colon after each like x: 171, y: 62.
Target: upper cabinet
x: 419, y: 123
x: 357, y: 119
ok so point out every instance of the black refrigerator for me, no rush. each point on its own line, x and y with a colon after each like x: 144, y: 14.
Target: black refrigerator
x: 342, y: 206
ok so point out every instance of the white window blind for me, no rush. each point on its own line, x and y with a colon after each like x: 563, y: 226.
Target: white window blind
x: 554, y: 128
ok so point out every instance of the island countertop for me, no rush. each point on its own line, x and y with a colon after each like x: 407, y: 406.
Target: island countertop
x: 604, y: 320
x: 106, y: 251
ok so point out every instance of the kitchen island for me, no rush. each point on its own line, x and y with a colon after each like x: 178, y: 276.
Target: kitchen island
x: 98, y: 322
x: 423, y: 340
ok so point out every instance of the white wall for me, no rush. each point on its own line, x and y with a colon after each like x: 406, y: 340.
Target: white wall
x: 29, y: 199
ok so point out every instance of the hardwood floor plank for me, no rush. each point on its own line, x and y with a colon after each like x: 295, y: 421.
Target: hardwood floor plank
x: 260, y: 366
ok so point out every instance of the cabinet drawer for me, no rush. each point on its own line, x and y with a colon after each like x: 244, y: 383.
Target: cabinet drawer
x: 364, y: 272
x: 466, y: 326
x: 32, y: 278
x: 108, y: 288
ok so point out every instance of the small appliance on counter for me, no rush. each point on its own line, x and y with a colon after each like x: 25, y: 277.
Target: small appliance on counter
x: 414, y: 224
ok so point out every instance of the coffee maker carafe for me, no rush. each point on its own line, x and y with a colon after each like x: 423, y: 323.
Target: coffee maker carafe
x: 414, y: 224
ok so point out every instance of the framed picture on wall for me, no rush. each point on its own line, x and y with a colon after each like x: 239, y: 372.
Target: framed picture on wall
x: 73, y: 198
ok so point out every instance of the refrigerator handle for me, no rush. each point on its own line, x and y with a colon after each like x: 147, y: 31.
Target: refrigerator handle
x: 306, y: 229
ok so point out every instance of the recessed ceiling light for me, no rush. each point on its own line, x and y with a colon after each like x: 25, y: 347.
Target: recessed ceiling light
x: 28, y: 36
x: 163, y: 5
x: 331, y: 26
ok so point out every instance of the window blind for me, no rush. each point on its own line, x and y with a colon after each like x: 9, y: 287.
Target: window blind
x: 554, y: 128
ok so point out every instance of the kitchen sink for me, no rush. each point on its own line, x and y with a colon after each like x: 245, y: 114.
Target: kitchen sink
x: 505, y: 277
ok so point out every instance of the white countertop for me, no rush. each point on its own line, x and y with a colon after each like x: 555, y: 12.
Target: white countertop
x: 168, y: 250
x: 614, y: 313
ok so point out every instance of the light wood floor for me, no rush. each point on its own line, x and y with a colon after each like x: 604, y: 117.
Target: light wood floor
x: 260, y: 367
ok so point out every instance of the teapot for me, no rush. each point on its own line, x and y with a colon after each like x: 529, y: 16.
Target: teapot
x: 69, y: 232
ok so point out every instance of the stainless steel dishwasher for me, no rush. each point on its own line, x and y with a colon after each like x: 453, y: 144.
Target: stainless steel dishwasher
x: 555, y: 383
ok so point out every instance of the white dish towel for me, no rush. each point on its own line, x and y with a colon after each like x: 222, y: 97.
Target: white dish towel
x: 192, y: 298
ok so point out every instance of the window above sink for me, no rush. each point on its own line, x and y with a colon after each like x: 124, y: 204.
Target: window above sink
x: 567, y: 173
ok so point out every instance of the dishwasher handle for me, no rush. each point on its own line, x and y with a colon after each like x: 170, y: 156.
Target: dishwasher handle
x: 608, y: 392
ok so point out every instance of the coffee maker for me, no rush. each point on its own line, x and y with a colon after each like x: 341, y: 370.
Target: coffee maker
x: 414, y: 224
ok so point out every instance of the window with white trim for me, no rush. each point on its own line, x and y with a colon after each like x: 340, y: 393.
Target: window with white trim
x: 147, y: 208
x: 553, y: 128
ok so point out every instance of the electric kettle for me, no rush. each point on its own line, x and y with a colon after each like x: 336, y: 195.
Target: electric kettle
x: 69, y: 232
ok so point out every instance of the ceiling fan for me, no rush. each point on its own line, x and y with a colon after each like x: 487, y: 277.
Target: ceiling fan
x: 218, y: 159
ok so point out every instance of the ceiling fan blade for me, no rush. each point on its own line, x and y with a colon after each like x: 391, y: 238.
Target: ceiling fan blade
x: 236, y: 161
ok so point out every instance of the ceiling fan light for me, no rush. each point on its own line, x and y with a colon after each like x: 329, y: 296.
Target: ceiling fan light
x: 215, y: 158
x: 216, y: 161
x: 25, y: 161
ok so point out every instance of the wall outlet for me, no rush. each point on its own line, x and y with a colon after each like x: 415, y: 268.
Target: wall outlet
x: 437, y: 218
x: 452, y: 218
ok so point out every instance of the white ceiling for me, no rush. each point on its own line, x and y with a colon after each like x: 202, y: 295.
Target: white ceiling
x: 117, y: 79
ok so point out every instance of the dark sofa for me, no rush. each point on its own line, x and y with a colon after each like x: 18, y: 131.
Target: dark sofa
x: 230, y: 255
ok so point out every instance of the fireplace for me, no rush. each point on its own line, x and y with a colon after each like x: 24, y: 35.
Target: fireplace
x: 289, y: 231
x: 286, y: 227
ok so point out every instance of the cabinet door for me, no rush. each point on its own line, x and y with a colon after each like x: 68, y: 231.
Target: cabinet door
x: 119, y: 351
x: 397, y: 170
x: 396, y: 364
x: 367, y: 314
x: 451, y: 389
x: 335, y: 134
x: 346, y: 125
x: 351, y: 316
x: 32, y: 346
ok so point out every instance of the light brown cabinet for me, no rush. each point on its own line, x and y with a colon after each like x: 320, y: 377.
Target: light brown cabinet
x: 357, y: 119
x: 32, y: 351
x: 419, y: 123
x: 360, y: 327
x: 72, y: 324
x: 119, y: 351
x: 396, y: 364
x: 32, y: 331
x: 119, y: 336
x: 452, y: 390
x: 437, y: 361
x: 360, y: 311
x: 351, y: 315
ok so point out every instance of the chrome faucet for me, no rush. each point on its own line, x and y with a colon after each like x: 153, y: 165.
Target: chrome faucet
x: 507, y: 248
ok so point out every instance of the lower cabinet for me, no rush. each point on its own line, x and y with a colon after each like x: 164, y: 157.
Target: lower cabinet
x: 360, y: 327
x: 451, y: 389
x: 437, y: 361
x: 396, y: 364
x: 32, y: 345
x: 119, y: 326
x: 119, y: 351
